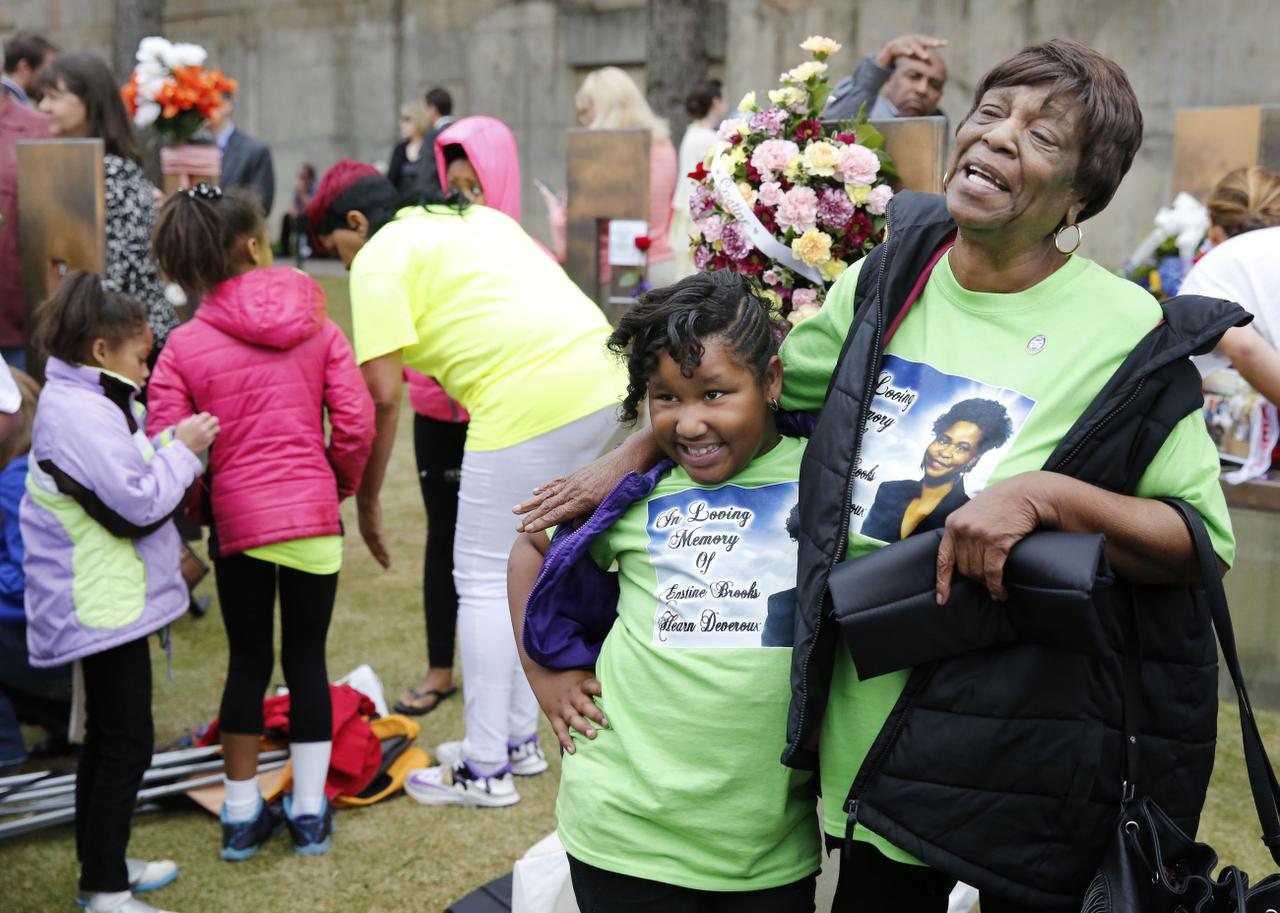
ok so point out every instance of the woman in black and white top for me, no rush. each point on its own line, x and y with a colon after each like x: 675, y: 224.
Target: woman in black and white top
x: 404, y: 170
x: 82, y: 99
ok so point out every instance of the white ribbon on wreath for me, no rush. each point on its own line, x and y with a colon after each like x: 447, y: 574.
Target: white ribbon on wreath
x: 760, y: 236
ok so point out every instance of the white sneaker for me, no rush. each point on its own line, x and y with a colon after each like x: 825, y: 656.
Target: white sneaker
x: 526, y: 758
x: 133, y: 905
x: 448, y: 754
x: 427, y: 785
x: 144, y: 875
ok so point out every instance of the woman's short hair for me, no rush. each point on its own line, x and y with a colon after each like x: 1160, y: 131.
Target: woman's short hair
x: 619, y: 104
x: 1109, y: 130
x: 89, y: 79
x: 1246, y: 199
x: 990, y: 416
x: 701, y: 97
x: 416, y: 113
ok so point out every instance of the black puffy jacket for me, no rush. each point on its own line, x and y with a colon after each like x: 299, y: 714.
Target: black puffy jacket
x: 1004, y: 767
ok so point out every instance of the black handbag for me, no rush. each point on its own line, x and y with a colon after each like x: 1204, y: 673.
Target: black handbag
x: 1152, y: 866
x: 887, y: 608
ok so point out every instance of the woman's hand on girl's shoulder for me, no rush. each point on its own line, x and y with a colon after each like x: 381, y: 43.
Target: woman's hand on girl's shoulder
x: 578, y: 494
x: 566, y: 698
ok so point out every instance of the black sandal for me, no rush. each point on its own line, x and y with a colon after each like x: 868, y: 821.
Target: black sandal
x: 410, y: 710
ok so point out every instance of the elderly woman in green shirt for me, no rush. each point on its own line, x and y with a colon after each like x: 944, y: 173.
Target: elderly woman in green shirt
x: 983, y: 296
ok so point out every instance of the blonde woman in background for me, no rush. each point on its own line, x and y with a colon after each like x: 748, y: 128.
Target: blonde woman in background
x: 610, y: 100
x: 1244, y: 266
x: 705, y: 104
x: 404, y: 168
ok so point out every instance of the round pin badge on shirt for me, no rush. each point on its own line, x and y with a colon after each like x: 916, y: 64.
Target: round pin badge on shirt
x: 1035, y: 345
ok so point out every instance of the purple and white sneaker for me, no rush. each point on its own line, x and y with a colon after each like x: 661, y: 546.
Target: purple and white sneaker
x: 465, y: 787
x: 526, y: 758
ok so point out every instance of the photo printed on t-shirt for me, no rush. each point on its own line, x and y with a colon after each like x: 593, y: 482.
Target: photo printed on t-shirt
x: 931, y: 442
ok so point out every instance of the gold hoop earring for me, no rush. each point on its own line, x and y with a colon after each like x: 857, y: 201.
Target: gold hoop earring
x: 1057, y: 240
x: 946, y: 176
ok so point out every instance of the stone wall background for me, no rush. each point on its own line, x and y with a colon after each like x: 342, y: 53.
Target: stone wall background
x: 323, y: 79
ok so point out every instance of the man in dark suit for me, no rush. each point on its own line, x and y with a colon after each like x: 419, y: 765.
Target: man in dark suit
x: 246, y: 162
x: 440, y: 114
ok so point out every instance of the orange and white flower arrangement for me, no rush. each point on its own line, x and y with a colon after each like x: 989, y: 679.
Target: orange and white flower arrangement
x: 171, y: 90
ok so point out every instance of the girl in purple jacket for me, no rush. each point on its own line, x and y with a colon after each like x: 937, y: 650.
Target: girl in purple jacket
x: 102, y: 559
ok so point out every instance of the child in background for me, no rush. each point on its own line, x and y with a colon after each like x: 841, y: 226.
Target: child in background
x: 27, y: 694
x: 262, y: 353
x: 675, y: 799
x: 102, y: 559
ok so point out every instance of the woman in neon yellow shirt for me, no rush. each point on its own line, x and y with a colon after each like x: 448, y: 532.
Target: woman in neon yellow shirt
x: 462, y: 294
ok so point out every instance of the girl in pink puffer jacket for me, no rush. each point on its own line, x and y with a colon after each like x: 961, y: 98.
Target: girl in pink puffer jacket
x: 263, y: 356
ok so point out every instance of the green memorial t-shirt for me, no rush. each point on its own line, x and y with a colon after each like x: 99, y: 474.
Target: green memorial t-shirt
x: 974, y: 388
x: 685, y: 786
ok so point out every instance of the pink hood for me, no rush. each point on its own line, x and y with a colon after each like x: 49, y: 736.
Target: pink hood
x: 277, y: 308
x: 491, y: 148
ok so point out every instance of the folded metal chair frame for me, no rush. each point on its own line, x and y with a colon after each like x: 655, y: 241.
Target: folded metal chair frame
x: 43, y: 799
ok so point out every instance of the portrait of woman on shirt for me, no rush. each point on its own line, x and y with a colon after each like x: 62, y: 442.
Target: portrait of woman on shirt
x: 961, y: 436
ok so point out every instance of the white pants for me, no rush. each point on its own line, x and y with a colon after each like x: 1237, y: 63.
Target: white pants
x: 499, y: 707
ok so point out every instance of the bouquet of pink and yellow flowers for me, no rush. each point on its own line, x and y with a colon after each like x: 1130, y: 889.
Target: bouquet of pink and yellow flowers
x: 787, y: 200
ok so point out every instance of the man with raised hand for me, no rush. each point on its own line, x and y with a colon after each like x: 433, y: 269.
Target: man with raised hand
x: 905, y: 78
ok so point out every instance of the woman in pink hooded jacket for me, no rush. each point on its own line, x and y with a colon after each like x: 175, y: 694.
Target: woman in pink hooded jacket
x: 263, y: 356
x: 477, y: 157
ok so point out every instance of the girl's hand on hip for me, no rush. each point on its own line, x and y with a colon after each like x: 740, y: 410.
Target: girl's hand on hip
x: 369, y: 514
x: 197, y: 432
x: 979, y: 536
x: 566, y: 698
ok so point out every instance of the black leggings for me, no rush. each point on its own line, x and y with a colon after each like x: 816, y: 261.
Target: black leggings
x: 871, y: 882
x: 247, y: 594
x: 118, y: 740
x: 438, y: 448
x: 601, y: 891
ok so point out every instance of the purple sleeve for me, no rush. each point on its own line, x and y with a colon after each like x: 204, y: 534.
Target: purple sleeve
x: 110, y: 469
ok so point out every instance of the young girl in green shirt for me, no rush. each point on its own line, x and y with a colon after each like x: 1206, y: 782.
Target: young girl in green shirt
x: 672, y: 796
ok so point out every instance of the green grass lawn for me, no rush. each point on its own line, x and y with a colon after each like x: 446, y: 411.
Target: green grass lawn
x: 399, y: 856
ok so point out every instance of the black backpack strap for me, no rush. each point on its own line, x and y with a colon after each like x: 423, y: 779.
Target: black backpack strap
x: 1262, y: 777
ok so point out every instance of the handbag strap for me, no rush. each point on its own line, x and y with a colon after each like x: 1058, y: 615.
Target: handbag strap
x: 1132, y: 701
x: 1262, y: 777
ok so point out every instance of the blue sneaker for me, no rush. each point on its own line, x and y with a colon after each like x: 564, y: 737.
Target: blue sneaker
x: 241, y: 839
x: 312, y: 834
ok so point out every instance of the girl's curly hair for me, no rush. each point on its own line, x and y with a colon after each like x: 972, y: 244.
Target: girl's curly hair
x: 679, y: 318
